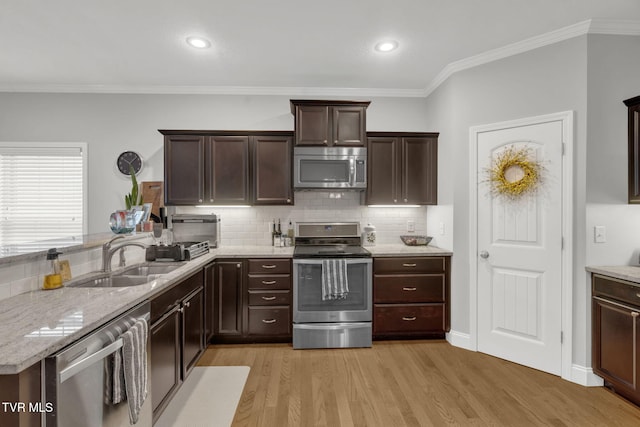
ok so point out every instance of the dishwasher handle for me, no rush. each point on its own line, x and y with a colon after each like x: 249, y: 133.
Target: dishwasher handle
x: 80, y: 365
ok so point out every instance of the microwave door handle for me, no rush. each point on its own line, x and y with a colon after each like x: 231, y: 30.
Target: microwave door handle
x: 352, y: 172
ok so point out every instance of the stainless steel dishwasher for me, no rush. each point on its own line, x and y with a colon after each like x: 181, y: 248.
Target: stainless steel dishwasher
x: 75, y: 379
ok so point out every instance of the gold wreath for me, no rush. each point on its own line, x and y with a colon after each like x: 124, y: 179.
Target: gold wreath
x: 519, y: 158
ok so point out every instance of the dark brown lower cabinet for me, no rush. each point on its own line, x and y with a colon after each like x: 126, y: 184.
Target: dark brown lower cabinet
x: 411, y: 297
x: 616, y: 334
x: 252, y: 300
x: 228, y: 299
x: 165, y: 359
x: 177, y: 338
x: 24, y: 387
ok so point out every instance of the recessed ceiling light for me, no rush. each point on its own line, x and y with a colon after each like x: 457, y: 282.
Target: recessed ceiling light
x: 198, y: 42
x: 387, y: 46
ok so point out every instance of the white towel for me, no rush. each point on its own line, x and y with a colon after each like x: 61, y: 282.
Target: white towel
x: 334, y: 279
x: 134, y: 363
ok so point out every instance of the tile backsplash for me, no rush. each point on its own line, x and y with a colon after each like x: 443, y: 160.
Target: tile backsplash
x: 27, y: 275
x: 252, y: 226
x: 238, y: 227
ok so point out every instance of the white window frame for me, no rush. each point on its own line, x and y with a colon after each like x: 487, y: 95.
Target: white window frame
x: 82, y: 146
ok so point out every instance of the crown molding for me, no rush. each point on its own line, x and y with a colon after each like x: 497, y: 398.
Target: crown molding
x: 591, y: 26
x: 217, y: 90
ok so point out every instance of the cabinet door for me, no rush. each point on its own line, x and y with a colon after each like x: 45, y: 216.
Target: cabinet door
x: 272, y: 170
x: 382, y: 171
x: 184, y: 169
x: 615, y: 344
x: 209, y: 301
x: 633, y: 105
x: 419, y: 171
x: 312, y: 125
x: 348, y: 125
x: 165, y: 359
x: 228, y: 304
x: 192, y: 330
x: 228, y: 175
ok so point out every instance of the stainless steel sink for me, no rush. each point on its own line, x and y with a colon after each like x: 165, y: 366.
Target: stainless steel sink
x: 130, y: 276
x: 148, y: 269
x: 111, y: 282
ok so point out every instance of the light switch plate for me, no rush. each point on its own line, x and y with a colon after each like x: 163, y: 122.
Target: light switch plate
x: 411, y: 226
x: 599, y: 234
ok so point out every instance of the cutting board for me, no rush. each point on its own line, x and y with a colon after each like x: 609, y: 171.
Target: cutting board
x: 153, y: 192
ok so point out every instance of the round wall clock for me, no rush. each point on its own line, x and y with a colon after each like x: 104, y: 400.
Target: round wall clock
x: 128, y: 159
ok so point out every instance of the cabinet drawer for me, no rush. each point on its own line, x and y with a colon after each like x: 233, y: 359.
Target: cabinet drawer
x: 399, y: 318
x: 272, y: 281
x: 269, y: 321
x: 270, y: 266
x: 409, y: 265
x: 409, y: 288
x: 617, y: 289
x: 269, y: 298
x: 164, y: 302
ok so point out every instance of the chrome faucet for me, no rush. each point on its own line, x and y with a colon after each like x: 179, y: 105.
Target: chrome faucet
x: 108, y: 250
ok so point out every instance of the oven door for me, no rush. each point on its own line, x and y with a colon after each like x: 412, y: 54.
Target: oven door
x: 308, y: 305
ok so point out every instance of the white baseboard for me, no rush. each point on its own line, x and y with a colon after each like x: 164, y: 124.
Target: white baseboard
x: 460, y: 339
x: 585, y: 376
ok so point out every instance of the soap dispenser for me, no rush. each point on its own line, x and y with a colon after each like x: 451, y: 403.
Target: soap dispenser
x: 53, y: 280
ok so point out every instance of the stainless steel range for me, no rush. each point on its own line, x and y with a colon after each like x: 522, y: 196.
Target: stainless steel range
x: 332, y: 287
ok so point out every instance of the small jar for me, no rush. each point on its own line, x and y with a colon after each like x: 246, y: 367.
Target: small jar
x: 369, y: 235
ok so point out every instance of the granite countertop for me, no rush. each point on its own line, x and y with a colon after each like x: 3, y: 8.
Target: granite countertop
x: 630, y: 273
x: 39, y: 323
x: 399, y: 249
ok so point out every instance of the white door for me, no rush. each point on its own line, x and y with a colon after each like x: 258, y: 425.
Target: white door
x: 519, y: 252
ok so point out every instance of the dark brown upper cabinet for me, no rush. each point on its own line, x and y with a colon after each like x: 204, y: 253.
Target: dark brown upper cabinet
x: 227, y: 167
x: 633, y: 106
x: 272, y: 170
x: 402, y: 168
x: 184, y: 169
x: 330, y: 123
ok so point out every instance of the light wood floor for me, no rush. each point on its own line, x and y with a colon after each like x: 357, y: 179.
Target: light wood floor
x: 408, y: 383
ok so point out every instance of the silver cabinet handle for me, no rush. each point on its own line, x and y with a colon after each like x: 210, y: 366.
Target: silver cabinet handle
x: 409, y: 319
x: 200, y: 200
x: 638, y: 294
x: 268, y: 298
x: 187, y: 304
x: 238, y: 265
x: 484, y: 254
x: 405, y: 200
x: 409, y: 289
x: 268, y: 321
x: 270, y: 282
x: 409, y: 265
x: 270, y: 266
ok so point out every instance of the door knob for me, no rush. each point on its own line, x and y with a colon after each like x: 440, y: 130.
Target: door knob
x: 484, y: 254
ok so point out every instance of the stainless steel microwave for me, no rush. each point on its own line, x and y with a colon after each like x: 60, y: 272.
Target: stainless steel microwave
x: 330, y: 168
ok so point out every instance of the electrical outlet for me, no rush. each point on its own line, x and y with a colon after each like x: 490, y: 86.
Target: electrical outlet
x: 442, y: 228
x: 599, y: 234
x: 411, y: 226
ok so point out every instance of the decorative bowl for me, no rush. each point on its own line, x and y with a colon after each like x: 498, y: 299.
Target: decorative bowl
x: 415, y: 240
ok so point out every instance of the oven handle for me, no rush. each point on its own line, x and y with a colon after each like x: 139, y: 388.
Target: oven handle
x: 319, y: 261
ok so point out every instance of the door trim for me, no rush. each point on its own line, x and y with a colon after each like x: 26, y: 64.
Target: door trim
x: 567, y: 119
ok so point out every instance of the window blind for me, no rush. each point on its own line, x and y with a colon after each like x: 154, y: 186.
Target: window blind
x: 41, y: 194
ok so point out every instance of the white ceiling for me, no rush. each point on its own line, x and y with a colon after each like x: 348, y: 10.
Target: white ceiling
x: 292, y: 47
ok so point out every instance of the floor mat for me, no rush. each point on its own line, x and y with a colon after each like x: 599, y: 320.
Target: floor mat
x: 208, y: 397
